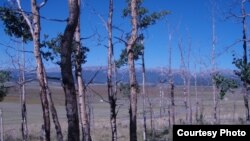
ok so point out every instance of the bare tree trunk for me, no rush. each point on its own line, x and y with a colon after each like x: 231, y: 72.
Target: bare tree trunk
x: 143, y: 98
x: 189, y: 101
x: 84, y: 122
x: 58, y: 128
x: 45, y: 94
x: 151, y: 113
x: 160, y: 104
x: 245, y: 97
x: 24, y: 113
x: 215, y: 95
x: 184, y: 77
x: 161, y: 94
x: 185, y: 97
x: 23, y: 96
x: 190, y: 113
x: 171, y: 83
x: 40, y: 68
x: 245, y: 61
x: 132, y: 74
x: 85, y: 125
x: 188, y: 76
x: 1, y: 125
x: 153, y: 125
x: 172, y: 101
x: 90, y: 108
x: 110, y: 75
x: 196, y: 97
x: 169, y: 115
x: 151, y: 116
x: 66, y: 71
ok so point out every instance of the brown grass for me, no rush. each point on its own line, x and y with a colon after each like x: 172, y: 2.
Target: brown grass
x: 100, y: 123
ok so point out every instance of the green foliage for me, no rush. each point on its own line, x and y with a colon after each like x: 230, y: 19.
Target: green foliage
x: 52, y: 50
x: 244, y: 70
x: 141, y: 10
x: 4, y: 77
x: 123, y: 60
x: 82, y: 56
x: 151, y: 19
x: 14, y: 23
x: 145, y: 19
x: 224, y: 84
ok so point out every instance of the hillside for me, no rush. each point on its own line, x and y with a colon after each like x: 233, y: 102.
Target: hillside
x: 154, y: 76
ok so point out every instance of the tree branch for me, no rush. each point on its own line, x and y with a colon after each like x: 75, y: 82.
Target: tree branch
x: 47, y: 19
x: 24, y: 82
x: 42, y: 17
x: 231, y: 14
x: 88, y: 37
x: 120, y: 39
x: 93, y: 77
x: 98, y: 94
x: 116, y: 113
x: 42, y: 4
x: 2, y: 44
x: 228, y: 47
x: 25, y: 17
x: 101, y: 18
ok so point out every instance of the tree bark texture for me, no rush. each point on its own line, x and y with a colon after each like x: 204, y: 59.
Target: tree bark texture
x: 45, y: 94
x: 22, y: 80
x: 53, y: 111
x: 215, y: 94
x: 66, y: 71
x: 40, y: 68
x: 84, y: 122
x: 132, y: 74
x: 171, y: 83
x: 144, y: 98
x: 111, y: 82
x: 245, y: 61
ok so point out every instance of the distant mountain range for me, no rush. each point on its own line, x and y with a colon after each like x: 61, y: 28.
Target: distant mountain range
x: 154, y: 76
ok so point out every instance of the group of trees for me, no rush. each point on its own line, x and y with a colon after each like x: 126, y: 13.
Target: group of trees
x: 27, y: 26
x: 224, y: 84
x: 70, y: 51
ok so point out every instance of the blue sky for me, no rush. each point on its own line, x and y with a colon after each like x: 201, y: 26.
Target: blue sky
x: 190, y: 18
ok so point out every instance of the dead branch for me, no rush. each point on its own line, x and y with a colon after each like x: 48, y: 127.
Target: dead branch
x: 93, y: 77
x: 100, y: 17
x: 26, y: 81
x: 98, y: 94
x: 228, y: 47
x: 42, y: 3
x: 88, y: 37
x: 8, y: 46
x: 120, y: 39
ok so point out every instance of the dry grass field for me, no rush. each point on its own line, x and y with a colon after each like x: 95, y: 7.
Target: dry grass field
x: 231, y: 111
